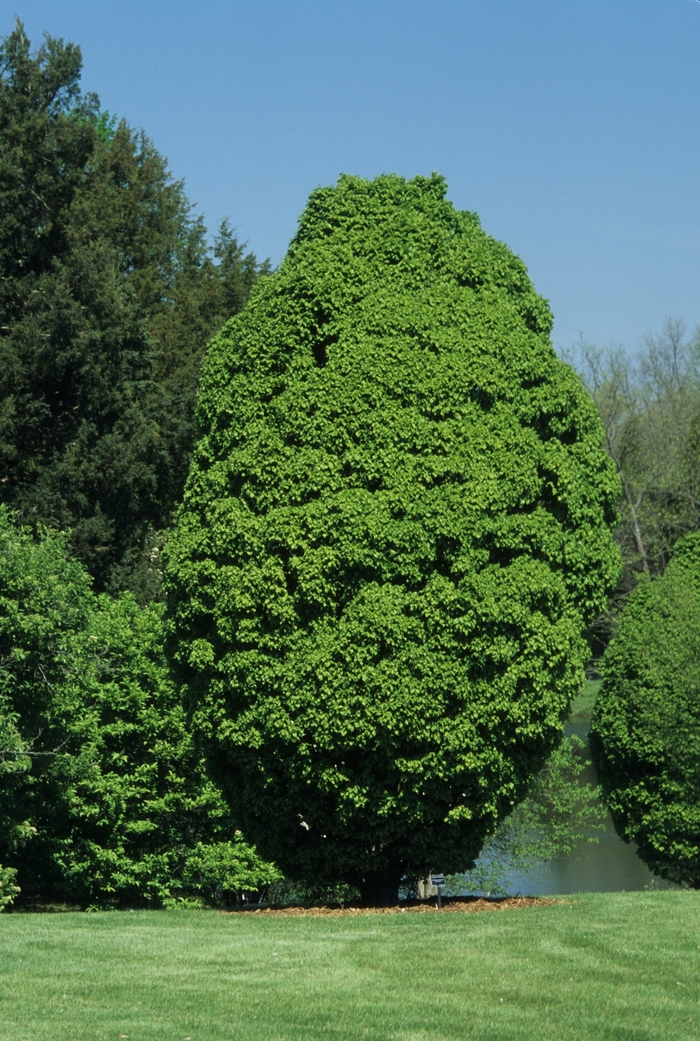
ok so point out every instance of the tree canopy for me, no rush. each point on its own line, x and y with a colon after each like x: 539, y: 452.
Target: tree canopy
x: 395, y: 527
x: 645, y: 733
x: 109, y: 293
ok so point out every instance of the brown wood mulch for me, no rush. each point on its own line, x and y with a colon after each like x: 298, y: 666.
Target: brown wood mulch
x: 452, y: 904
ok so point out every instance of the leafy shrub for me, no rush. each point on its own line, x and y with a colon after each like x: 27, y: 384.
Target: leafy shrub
x: 222, y: 872
x: 8, y: 889
x: 117, y: 799
x: 645, y: 732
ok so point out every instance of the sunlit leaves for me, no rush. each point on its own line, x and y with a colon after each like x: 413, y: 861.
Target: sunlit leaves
x: 395, y: 528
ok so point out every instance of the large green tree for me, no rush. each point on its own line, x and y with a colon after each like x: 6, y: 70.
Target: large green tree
x: 645, y: 732
x: 395, y: 527
x: 108, y: 296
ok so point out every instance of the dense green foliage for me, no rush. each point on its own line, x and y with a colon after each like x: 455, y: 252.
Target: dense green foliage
x: 108, y: 296
x: 109, y: 801
x: 395, y: 527
x: 598, y: 967
x: 645, y: 733
x: 8, y: 888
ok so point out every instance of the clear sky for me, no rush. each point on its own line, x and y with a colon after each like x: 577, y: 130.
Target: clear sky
x: 572, y: 129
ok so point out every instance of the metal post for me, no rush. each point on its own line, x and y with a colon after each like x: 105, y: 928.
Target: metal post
x: 438, y: 882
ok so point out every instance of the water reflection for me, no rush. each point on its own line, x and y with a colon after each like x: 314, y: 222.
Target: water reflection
x: 610, y: 865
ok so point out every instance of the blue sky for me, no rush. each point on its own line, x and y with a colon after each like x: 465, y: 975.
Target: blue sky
x: 572, y: 129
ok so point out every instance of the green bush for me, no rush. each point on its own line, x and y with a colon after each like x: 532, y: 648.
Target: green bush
x: 8, y: 890
x: 395, y: 527
x: 222, y: 872
x: 116, y: 802
x: 645, y: 733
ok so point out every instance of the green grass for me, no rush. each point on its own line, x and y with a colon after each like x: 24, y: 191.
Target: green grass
x: 582, y: 706
x: 603, y: 966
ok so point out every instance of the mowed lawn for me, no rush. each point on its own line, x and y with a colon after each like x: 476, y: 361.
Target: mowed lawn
x: 622, y: 966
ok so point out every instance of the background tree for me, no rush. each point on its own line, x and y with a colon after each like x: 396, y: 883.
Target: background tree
x: 110, y: 801
x: 394, y: 529
x: 649, y: 404
x: 645, y: 732
x: 108, y: 296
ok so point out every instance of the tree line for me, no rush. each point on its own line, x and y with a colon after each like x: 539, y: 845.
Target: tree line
x: 649, y: 405
x: 363, y: 673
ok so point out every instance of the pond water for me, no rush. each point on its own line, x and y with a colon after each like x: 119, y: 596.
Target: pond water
x: 610, y: 865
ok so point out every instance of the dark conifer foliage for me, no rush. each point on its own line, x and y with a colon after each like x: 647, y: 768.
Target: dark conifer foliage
x: 109, y: 293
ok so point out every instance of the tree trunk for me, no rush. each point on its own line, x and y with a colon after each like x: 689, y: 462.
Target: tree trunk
x: 636, y: 528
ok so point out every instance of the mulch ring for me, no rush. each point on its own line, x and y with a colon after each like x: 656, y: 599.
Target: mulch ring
x: 452, y: 904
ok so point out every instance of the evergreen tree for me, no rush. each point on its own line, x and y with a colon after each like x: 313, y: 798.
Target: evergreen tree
x: 108, y: 296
